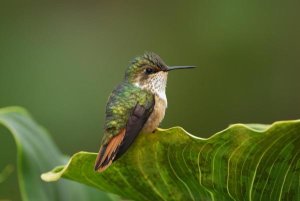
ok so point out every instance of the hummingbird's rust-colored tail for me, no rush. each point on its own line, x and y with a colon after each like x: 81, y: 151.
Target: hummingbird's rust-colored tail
x: 108, y: 152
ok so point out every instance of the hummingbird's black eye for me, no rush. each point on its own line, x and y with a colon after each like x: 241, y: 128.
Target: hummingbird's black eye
x: 149, y: 71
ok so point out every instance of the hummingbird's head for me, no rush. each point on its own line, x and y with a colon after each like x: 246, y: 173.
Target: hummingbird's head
x: 146, y: 69
x: 150, y: 72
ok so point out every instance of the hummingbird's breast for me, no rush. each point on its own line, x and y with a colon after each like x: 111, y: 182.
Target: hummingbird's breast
x: 156, y: 116
x: 157, y: 86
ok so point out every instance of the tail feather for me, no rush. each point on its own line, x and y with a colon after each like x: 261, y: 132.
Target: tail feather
x: 108, y: 152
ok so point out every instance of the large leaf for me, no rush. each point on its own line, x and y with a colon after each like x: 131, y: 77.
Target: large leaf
x: 36, y: 154
x: 243, y: 162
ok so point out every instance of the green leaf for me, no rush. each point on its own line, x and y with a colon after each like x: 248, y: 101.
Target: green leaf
x: 36, y: 154
x: 6, y: 172
x: 242, y: 162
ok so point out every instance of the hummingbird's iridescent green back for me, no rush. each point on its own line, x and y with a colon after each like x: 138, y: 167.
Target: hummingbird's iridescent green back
x: 120, y: 105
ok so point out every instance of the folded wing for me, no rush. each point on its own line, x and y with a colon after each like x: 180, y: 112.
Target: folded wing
x: 118, y: 145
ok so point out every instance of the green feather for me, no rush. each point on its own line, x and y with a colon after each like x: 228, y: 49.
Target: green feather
x: 120, y: 105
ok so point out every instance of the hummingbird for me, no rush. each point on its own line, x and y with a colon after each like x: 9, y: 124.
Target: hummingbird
x: 135, y: 106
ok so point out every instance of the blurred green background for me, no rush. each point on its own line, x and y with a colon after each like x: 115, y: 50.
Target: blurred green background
x: 60, y: 60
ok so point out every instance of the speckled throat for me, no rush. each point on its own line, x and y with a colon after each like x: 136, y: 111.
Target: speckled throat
x: 156, y: 85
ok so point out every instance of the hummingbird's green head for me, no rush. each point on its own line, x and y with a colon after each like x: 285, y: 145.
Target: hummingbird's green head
x: 150, y: 72
x: 144, y: 67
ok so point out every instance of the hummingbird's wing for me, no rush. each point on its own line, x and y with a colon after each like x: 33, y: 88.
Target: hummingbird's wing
x: 134, y: 126
x: 114, y: 145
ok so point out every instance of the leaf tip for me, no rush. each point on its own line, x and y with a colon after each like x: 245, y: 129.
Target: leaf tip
x: 50, y: 176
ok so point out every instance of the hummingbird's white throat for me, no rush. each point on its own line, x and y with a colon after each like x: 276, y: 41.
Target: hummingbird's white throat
x: 156, y: 83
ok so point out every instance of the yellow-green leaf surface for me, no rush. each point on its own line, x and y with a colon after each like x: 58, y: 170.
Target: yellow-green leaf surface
x: 36, y: 154
x: 243, y: 162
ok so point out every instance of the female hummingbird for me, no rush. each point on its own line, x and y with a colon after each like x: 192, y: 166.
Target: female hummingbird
x: 135, y: 106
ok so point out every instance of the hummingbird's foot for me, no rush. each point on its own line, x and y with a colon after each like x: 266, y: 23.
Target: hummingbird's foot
x: 158, y: 130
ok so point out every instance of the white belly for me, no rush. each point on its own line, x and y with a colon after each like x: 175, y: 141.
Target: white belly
x: 156, y: 116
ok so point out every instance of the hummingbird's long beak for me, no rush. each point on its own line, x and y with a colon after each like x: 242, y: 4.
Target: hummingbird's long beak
x: 169, y: 68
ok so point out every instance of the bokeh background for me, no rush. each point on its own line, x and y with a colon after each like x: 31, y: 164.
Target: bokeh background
x: 60, y: 60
